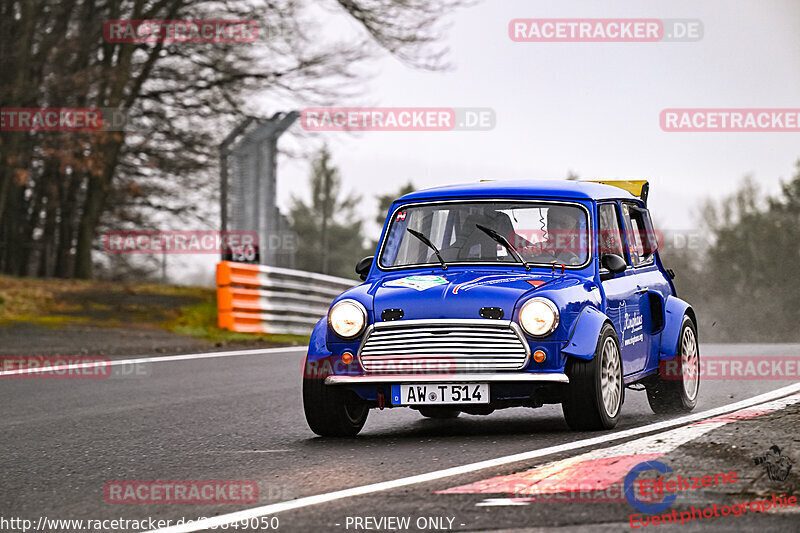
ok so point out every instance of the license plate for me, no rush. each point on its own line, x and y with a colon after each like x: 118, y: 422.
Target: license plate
x: 440, y: 393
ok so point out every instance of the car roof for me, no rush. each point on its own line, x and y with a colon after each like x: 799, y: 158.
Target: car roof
x: 569, y: 189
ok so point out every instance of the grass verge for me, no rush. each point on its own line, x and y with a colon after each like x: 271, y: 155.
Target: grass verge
x: 56, y: 303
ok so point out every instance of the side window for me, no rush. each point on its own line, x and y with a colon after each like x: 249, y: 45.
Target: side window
x: 641, y: 239
x: 610, y: 235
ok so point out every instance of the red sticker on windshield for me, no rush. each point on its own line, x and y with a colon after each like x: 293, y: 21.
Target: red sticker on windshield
x: 401, y: 216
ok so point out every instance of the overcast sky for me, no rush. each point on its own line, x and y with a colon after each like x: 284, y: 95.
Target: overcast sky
x: 590, y: 108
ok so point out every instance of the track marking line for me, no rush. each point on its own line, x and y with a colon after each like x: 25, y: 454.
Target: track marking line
x: 502, y: 502
x: 141, y: 360
x: 597, y: 470
x: 270, y: 509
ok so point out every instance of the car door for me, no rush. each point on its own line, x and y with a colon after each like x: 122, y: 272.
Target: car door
x: 626, y: 299
x: 638, y: 323
x: 650, y: 280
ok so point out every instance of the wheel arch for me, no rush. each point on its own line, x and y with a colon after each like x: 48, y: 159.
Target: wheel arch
x: 583, y: 339
x: 674, y: 311
x: 317, y: 362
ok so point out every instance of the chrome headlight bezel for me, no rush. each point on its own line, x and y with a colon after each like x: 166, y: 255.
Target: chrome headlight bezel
x: 529, y: 307
x: 340, y: 306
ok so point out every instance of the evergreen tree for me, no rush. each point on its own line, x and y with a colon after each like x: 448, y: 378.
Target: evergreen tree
x: 329, y: 233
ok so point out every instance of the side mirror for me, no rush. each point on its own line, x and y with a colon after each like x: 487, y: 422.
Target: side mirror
x: 613, y: 263
x: 363, y: 266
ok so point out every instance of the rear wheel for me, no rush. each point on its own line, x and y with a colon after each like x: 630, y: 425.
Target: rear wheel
x: 672, y: 394
x: 439, y: 412
x: 332, y: 411
x: 595, y: 391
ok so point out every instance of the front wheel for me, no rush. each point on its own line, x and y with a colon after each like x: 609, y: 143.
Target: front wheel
x: 332, y: 411
x: 595, y: 391
x: 675, y: 390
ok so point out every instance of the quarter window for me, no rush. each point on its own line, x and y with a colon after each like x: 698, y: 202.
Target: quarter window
x: 640, y: 237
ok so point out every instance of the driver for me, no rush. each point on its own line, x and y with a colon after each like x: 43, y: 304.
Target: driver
x: 563, y: 235
x: 562, y: 242
x: 473, y: 244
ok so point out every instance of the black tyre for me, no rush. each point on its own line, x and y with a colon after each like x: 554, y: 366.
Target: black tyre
x: 331, y: 410
x: 677, y: 391
x: 595, y: 392
x: 439, y: 412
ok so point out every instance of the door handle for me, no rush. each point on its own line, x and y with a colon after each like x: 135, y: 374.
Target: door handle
x: 641, y: 290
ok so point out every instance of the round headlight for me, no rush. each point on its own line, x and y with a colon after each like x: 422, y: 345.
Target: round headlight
x: 538, y: 317
x: 348, y: 318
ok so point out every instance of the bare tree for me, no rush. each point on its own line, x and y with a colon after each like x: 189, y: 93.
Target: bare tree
x: 59, y: 190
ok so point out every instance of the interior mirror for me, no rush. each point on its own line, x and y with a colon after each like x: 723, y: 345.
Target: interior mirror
x: 613, y: 263
x: 363, y: 266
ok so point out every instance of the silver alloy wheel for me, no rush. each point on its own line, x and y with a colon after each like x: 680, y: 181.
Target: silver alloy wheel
x: 690, y: 363
x: 611, y: 377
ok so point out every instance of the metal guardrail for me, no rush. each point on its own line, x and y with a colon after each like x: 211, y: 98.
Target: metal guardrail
x: 264, y: 299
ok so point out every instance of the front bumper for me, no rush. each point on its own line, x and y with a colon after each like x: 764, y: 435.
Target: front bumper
x: 516, y: 377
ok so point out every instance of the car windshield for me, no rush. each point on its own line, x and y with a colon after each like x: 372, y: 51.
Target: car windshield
x: 542, y: 233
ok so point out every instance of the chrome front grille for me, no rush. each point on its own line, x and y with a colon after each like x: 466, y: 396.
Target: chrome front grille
x: 443, y: 346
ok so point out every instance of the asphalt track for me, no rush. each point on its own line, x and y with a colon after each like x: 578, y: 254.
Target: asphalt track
x: 240, y: 418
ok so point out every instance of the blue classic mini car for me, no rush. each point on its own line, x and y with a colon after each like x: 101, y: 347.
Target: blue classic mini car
x: 503, y: 294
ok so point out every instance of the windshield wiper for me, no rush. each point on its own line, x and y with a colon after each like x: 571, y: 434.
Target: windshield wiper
x: 429, y: 244
x: 504, y: 242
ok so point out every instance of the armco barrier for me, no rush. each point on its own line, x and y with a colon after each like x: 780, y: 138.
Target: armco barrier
x: 262, y: 299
